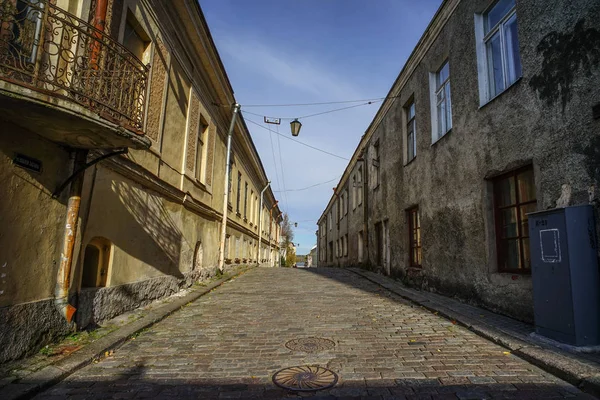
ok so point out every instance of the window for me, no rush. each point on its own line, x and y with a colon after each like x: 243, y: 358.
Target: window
x: 411, y: 139
x: 135, y: 38
x: 345, y: 245
x: 251, y: 205
x: 376, y: 164
x: 329, y: 222
x: 498, y: 55
x: 441, y: 115
x: 341, y: 203
x: 245, y: 200
x: 345, y: 198
x: 360, y: 178
x: 360, y: 246
x: 354, y: 190
x: 239, y: 192
x: 414, y: 233
x: 199, y: 165
x: 514, y: 197
x: 96, y: 263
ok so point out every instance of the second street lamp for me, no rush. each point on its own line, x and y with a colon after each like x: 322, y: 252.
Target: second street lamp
x: 295, y: 125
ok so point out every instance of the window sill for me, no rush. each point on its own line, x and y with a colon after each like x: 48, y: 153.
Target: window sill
x: 411, y: 161
x: 501, y: 93
x: 442, y: 137
x: 519, y: 272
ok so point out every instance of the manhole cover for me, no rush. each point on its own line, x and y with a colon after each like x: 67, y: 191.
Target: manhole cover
x: 310, y: 344
x: 305, y: 378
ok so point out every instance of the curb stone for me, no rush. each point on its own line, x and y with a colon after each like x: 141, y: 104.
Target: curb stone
x: 50, y: 375
x: 585, y: 377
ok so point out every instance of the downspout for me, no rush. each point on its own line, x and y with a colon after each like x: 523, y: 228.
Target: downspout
x: 63, y: 281
x: 99, y: 23
x: 236, y: 109
x: 270, y: 231
x: 260, y: 221
x: 366, y: 209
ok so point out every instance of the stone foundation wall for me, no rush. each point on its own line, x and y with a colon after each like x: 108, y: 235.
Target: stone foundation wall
x: 27, y: 327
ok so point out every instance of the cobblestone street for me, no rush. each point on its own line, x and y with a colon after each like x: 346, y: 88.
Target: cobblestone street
x: 229, y: 343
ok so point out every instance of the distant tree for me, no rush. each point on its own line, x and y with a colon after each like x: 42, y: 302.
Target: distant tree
x: 287, y: 235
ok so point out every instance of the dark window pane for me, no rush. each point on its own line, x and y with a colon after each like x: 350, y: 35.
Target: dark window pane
x: 529, y: 208
x: 509, y: 223
x: 495, y: 71
x: 511, y: 48
x: 496, y: 13
x: 505, y: 192
x: 509, y: 254
x: 526, y: 186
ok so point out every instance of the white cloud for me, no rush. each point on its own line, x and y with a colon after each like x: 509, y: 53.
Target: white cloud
x: 292, y: 69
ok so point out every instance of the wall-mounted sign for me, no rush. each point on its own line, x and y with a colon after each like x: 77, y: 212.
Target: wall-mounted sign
x: 29, y: 163
x: 269, y: 120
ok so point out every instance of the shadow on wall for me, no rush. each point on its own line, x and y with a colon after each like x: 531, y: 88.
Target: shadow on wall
x: 150, y: 234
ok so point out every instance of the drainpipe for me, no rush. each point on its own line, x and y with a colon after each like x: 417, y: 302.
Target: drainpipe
x: 236, y: 109
x: 99, y: 23
x: 260, y: 221
x: 63, y: 281
x: 366, y: 208
x: 270, y: 231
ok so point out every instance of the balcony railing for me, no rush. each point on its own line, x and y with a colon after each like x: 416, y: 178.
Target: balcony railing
x: 49, y: 50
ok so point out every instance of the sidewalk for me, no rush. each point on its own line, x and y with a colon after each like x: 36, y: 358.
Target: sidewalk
x: 581, y: 370
x: 22, y: 379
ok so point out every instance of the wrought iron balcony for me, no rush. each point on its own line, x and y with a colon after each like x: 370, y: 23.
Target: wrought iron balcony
x: 50, y: 51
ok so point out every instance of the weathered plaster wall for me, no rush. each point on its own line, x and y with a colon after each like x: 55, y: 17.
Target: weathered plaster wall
x: 447, y: 180
x: 30, y: 241
x: 544, y: 119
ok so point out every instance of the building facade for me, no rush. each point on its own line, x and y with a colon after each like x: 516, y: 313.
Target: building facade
x: 495, y: 114
x: 113, y: 128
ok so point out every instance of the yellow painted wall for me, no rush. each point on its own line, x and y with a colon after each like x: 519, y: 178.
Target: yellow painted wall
x: 31, y: 221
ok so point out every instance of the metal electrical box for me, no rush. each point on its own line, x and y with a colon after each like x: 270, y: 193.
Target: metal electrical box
x: 564, y: 269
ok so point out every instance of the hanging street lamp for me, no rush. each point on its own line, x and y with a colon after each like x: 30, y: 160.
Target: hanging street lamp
x: 295, y: 125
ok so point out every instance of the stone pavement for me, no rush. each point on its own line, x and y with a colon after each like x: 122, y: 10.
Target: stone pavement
x: 567, y: 362
x: 229, y: 343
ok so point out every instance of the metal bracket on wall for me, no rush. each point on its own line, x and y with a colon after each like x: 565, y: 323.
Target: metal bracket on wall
x: 62, y: 187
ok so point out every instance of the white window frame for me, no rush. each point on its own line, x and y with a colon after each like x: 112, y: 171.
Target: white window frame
x: 437, y: 88
x: 481, y: 39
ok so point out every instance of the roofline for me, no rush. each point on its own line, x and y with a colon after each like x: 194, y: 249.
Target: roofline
x: 438, y: 21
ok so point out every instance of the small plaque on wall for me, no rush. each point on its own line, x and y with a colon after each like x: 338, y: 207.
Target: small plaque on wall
x: 26, y: 162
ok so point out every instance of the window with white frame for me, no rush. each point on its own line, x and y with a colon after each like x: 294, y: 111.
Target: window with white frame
x: 498, y: 55
x: 441, y: 105
x: 411, y: 134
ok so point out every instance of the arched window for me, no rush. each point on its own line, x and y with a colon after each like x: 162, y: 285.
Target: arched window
x: 96, y: 262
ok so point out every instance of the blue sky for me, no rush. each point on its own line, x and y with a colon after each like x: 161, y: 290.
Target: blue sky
x: 307, y: 51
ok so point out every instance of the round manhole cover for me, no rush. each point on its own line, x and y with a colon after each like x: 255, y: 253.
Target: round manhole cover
x: 310, y: 344
x: 305, y: 378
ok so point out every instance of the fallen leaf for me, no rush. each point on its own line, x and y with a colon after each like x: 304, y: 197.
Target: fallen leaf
x: 506, y: 352
x: 454, y: 322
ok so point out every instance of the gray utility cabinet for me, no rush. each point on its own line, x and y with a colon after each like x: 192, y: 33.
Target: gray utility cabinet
x: 566, y: 282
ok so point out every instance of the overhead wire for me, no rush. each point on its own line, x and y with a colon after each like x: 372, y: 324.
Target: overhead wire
x: 320, y: 113
x: 313, y: 104
x: 297, y: 141
x: 308, y: 187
